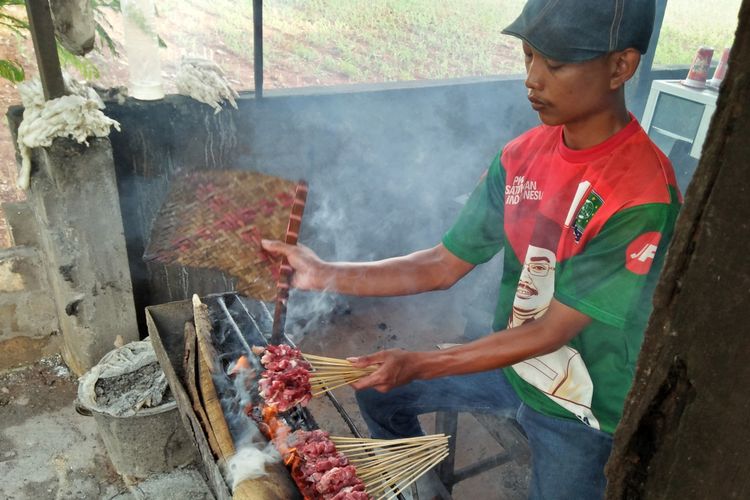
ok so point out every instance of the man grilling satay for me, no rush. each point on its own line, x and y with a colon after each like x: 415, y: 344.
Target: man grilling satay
x: 584, y: 205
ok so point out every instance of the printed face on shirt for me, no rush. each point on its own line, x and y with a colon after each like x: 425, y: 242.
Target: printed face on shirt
x: 536, y: 286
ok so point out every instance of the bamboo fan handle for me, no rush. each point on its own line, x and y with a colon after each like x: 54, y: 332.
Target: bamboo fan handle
x: 285, y: 271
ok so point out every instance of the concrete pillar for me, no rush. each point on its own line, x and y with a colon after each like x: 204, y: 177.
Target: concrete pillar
x: 75, y: 200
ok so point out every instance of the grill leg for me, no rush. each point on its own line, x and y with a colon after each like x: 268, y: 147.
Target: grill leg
x: 446, y: 422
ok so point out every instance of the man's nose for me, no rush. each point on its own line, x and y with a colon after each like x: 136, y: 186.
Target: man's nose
x: 533, y: 75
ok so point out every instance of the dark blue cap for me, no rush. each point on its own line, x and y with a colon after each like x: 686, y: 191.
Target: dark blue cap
x: 581, y: 30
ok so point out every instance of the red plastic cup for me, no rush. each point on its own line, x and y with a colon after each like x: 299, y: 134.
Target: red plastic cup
x: 698, y: 73
x: 721, y: 70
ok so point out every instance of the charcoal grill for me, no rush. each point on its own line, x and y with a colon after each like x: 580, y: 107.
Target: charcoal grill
x: 238, y: 323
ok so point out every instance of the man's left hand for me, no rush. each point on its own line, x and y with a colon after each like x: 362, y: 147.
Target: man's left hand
x: 397, y: 367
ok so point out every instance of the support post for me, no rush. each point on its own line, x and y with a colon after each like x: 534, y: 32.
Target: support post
x: 45, y: 48
x: 642, y: 82
x: 258, y: 47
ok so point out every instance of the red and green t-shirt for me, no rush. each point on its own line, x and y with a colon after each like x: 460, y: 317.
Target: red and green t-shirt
x: 589, y: 228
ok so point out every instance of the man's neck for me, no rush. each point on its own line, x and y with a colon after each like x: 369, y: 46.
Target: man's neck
x: 595, y: 129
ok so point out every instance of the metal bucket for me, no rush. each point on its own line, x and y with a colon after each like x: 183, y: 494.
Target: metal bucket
x: 151, y: 441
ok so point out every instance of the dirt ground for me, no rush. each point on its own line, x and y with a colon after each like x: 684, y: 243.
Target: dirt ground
x: 47, y: 449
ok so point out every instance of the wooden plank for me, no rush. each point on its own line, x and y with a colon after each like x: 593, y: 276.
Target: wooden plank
x: 190, y: 367
x: 210, y: 468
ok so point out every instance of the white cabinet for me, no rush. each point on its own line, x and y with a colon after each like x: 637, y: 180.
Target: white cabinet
x: 675, y: 112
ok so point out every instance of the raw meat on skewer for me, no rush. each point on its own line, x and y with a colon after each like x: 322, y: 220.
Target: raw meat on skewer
x: 286, y: 380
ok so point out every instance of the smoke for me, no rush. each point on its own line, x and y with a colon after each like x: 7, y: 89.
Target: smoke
x: 307, y: 311
x: 384, y: 165
x: 253, y: 451
x: 250, y: 463
x: 386, y: 171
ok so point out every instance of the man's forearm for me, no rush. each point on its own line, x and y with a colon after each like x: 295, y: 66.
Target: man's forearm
x: 422, y: 271
x: 497, y: 350
x: 507, y: 347
x: 397, y: 367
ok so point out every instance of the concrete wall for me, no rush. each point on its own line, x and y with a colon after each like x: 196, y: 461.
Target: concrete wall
x: 23, y: 288
x: 77, y: 252
x: 28, y: 319
x: 74, y: 197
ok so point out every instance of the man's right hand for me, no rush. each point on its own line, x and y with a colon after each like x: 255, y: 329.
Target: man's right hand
x: 309, y: 270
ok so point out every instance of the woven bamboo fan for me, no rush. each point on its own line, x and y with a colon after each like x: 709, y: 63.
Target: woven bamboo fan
x: 216, y: 219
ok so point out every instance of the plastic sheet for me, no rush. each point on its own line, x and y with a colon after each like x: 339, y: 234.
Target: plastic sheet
x: 118, y: 363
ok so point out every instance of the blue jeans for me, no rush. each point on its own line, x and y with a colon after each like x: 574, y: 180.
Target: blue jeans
x: 568, y: 457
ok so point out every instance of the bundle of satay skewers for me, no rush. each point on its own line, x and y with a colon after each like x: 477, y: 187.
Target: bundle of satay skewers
x: 332, y: 373
x: 343, y: 468
x: 292, y: 378
x: 389, y: 466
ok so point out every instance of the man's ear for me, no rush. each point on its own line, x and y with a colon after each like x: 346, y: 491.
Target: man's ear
x: 623, y: 64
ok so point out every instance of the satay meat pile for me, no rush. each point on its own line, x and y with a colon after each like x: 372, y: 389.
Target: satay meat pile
x: 320, y: 471
x: 286, y: 379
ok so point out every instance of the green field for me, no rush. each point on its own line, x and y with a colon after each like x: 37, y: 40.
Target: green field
x: 688, y: 24
x: 326, y: 42
x: 424, y: 39
x: 396, y: 39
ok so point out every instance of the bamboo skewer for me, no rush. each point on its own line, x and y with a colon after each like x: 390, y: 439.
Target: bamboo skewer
x: 406, y: 484
x: 387, y: 442
x: 389, y: 466
x: 329, y: 389
x: 395, y: 463
x: 366, y: 455
x: 331, y: 373
x: 381, y: 481
x: 335, y: 361
x: 392, y: 481
x: 391, y: 487
x: 366, y: 459
x: 380, y: 461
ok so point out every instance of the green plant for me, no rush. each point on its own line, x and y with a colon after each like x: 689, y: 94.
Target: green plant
x: 11, y: 70
x: 86, y: 68
x: 104, y: 39
x: 14, y: 72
